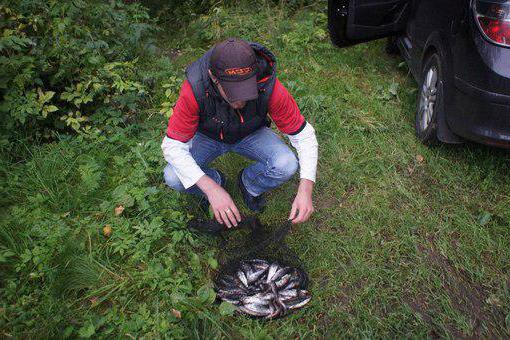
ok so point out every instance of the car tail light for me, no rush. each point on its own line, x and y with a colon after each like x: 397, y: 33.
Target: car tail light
x: 493, y: 19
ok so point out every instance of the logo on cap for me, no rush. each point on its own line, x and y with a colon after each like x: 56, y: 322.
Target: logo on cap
x: 239, y: 71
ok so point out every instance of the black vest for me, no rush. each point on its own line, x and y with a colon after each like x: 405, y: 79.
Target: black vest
x: 217, y: 119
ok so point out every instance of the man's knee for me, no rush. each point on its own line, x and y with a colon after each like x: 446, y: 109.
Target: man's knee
x: 284, y: 165
x: 171, y: 178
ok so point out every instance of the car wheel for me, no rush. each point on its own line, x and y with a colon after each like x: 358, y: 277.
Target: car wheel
x: 429, y: 101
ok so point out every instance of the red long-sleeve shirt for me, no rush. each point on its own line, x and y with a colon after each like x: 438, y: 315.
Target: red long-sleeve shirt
x: 282, y: 108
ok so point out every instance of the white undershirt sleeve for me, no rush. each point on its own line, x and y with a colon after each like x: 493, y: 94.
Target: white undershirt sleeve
x: 305, y: 143
x: 177, y: 154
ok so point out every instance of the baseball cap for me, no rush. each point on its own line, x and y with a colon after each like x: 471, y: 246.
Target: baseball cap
x: 234, y: 63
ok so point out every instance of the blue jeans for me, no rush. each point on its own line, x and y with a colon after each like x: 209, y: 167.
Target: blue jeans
x: 274, y: 163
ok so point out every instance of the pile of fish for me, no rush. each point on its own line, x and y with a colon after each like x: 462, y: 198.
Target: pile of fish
x: 263, y: 289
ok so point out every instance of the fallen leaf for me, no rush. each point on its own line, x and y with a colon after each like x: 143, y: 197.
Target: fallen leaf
x: 176, y: 313
x: 420, y: 158
x: 410, y: 170
x: 107, y: 230
x: 119, y: 210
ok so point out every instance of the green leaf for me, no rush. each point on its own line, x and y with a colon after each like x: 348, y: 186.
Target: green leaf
x: 68, y: 331
x: 50, y: 108
x: 177, y: 297
x: 5, y: 255
x: 393, y: 89
x: 226, y: 309
x: 87, y: 331
x: 485, y: 218
x: 49, y: 94
x: 206, y: 294
x: 195, y: 261
x: 212, y: 262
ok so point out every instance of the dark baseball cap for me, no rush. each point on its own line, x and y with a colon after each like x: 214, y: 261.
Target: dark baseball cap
x: 234, y: 63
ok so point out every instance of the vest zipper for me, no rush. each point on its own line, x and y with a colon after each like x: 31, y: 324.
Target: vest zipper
x: 241, y: 118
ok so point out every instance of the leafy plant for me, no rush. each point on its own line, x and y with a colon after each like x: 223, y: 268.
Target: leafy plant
x: 63, y: 61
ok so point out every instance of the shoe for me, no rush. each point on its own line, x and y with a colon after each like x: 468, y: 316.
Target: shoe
x: 204, y: 203
x: 255, y: 203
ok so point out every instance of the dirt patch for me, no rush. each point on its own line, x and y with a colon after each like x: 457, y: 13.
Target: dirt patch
x: 333, y: 201
x: 327, y: 202
x: 469, y: 298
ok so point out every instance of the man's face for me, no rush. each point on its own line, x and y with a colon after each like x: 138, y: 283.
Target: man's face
x: 235, y: 105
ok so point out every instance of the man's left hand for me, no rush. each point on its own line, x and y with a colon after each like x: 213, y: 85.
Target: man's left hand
x: 302, y: 207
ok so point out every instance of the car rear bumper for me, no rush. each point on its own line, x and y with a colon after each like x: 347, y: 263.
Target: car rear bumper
x: 480, y: 115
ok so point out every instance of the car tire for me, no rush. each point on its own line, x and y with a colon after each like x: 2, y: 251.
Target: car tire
x: 430, y: 101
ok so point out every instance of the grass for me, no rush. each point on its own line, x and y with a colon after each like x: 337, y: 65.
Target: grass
x: 407, y: 241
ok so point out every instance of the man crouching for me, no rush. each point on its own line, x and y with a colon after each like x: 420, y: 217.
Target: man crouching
x: 225, y: 105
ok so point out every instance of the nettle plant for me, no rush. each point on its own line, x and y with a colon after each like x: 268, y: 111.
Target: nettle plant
x: 63, y: 61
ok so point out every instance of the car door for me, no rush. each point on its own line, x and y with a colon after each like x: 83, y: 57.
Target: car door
x: 355, y: 21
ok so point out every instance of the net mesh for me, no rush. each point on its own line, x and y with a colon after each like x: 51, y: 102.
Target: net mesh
x: 251, y: 240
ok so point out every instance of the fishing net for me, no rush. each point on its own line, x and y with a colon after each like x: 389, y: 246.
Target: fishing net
x: 258, y: 272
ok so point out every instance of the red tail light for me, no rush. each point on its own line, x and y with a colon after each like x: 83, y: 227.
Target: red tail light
x: 493, y: 19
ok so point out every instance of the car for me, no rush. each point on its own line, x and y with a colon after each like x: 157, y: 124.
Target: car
x: 457, y: 50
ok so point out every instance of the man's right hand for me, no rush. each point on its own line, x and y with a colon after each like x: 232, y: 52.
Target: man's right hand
x: 224, y: 208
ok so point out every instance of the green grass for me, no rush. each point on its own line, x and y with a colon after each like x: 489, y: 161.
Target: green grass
x: 398, y: 247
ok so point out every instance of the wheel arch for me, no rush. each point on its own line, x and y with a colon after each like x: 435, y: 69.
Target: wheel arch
x: 436, y: 43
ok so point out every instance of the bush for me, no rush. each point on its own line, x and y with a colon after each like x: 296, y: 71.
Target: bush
x: 63, y: 275
x: 177, y: 12
x: 70, y: 64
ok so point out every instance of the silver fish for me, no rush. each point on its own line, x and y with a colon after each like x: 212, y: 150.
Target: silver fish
x: 263, y: 289
x: 255, y: 275
x: 276, y: 310
x: 298, y: 302
x: 245, y: 267
x: 288, y: 294
x: 281, y: 306
x: 273, y: 268
x: 281, y: 272
x: 235, y: 291
x: 283, y: 281
x: 242, y: 277
x: 231, y: 292
x: 294, y: 282
x: 235, y: 302
x: 258, y: 298
x: 257, y: 309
